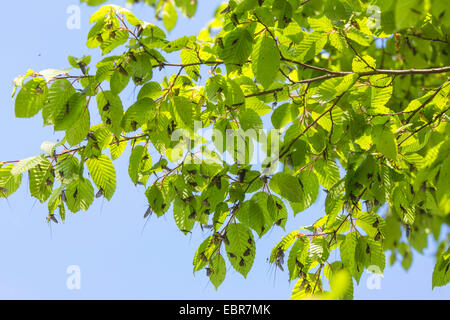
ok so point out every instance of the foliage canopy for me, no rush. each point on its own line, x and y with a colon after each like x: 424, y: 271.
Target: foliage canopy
x: 346, y: 95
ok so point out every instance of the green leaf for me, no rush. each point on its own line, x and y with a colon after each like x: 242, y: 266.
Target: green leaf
x: 79, y: 195
x: 331, y: 88
x: 26, y: 164
x: 366, y: 65
x: 333, y: 202
x: 265, y: 60
x: 111, y: 111
x: 140, y: 162
x: 31, y: 98
x: 359, y: 37
x: 103, y: 174
x: 311, y: 45
x: 250, y: 120
x: 116, y: 149
x: 119, y: 81
x: 189, y: 57
x: 282, y: 10
x: 283, y: 245
x: 442, y: 192
x: 309, y: 186
x: 217, y: 270
x: 187, y: 7
x: 79, y: 129
x: 318, y: 250
x: 156, y: 200
x: 169, y: 16
x: 74, y: 110
x: 181, y: 214
x: 138, y: 114
x: 237, y: 46
x: 41, y: 179
x: 347, y: 252
x: 9, y: 183
x: 385, y: 141
x: 408, y: 13
x: 57, y: 104
x: 341, y: 285
x: 376, y: 255
x: 240, y: 248
x: 55, y: 199
x: 327, y: 173
x: 151, y: 90
x: 441, y: 274
x: 141, y: 68
x: 254, y: 213
x: 114, y: 39
x: 295, y: 264
x: 286, y: 186
x: 284, y: 115
x: 204, y: 253
x: 183, y: 110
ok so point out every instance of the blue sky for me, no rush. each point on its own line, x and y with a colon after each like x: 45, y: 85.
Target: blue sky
x: 116, y: 259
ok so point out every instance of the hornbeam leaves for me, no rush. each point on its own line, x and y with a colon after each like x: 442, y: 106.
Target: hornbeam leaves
x: 26, y: 164
x: 385, y: 141
x: 57, y: 104
x: 41, y: 179
x: 254, y: 213
x: 374, y: 139
x: 286, y: 186
x: 441, y: 274
x: 103, y: 174
x: 240, y: 248
x: 265, y: 60
x: 217, y: 270
x: 140, y: 163
x: 111, y: 111
x: 9, y: 182
x: 79, y: 195
x: 138, y: 114
x: 31, y: 98
x: 237, y: 46
x: 190, y: 58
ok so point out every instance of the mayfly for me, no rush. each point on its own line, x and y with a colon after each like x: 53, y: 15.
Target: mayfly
x: 99, y: 193
x: 206, y: 226
x: 63, y: 196
x: 52, y: 217
x: 147, y: 216
x: 203, y: 257
x: 82, y: 66
x: 106, y: 107
x: 139, y: 30
x: 91, y: 135
x: 148, y: 212
x: 241, y: 175
x: 279, y: 265
x: 369, y: 205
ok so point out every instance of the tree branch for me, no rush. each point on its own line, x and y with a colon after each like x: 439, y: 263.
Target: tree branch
x: 425, y: 125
